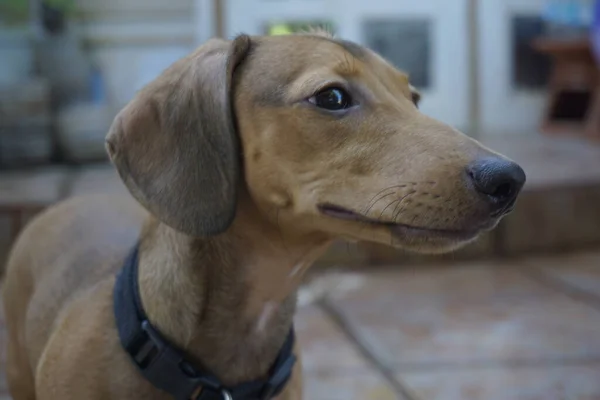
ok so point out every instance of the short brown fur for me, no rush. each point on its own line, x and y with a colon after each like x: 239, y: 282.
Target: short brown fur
x: 230, y: 163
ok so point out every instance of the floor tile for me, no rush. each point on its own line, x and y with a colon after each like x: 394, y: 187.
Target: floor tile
x: 344, y: 385
x: 478, y: 319
x: 333, y: 368
x: 323, y: 344
x: 470, y: 282
x: 547, y: 383
x: 581, y: 271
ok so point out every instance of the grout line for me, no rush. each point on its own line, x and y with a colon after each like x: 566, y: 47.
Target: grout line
x: 359, y: 342
x: 574, y: 293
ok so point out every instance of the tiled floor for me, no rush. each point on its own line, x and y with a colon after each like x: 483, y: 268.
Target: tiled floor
x: 519, y: 330
x: 496, y: 331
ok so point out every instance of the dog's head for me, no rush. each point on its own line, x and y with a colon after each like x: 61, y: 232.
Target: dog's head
x: 324, y: 135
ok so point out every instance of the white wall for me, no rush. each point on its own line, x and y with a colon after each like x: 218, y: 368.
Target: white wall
x: 132, y: 41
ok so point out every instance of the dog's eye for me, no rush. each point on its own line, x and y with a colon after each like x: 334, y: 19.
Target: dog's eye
x: 416, y: 98
x: 415, y: 95
x: 333, y: 99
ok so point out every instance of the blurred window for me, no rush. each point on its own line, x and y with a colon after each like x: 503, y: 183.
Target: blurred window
x: 406, y: 43
x: 530, y: 69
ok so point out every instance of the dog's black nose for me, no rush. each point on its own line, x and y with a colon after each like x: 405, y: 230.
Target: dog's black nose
x: 499, y: 180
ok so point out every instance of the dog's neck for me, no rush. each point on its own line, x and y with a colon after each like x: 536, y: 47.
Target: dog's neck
x: 228, y: 301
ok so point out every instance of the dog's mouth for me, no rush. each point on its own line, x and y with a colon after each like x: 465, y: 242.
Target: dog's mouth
x: 404, y: 230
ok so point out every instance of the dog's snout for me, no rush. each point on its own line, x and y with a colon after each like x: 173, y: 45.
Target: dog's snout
x: 499, y: 180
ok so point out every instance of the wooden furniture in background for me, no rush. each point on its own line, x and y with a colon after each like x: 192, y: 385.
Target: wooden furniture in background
x: 573, y: 103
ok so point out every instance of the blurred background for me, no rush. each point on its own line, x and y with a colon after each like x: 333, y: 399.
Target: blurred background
x: 515, y: 315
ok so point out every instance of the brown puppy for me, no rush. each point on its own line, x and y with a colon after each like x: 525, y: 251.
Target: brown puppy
x: 249, y: 157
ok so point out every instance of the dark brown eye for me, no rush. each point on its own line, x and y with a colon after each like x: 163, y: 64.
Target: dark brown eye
x: 333, y: 99
x: 416, y: 97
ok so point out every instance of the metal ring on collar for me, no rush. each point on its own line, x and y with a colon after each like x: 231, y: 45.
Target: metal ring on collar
x: 226, y: 395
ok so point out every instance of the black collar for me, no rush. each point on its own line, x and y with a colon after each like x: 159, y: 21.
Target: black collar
x: 165, y: 366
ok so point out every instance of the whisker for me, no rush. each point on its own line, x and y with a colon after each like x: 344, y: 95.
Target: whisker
x: 366, y: 212
x: 395, y: 216
x: 384, y: 190
x: 374, y: 199
x: 386, y: 207
x: 378, y: 197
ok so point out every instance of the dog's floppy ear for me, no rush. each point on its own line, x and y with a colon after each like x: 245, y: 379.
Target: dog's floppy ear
x: 175, y: 146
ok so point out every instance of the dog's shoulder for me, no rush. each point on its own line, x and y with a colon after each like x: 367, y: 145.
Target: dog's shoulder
x: 78, y: 230
x: 84, y: 339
